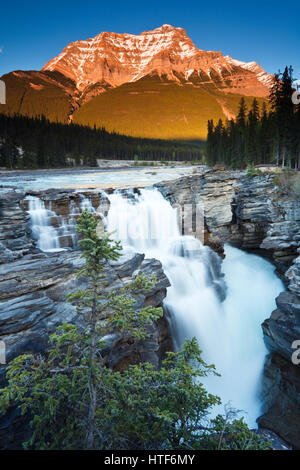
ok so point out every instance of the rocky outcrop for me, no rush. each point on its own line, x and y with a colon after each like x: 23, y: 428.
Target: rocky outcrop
x: 283, y: 327
x: 14, y: 231
x: 281, y: 388
x: 33, y: 299
x: 267, y: 219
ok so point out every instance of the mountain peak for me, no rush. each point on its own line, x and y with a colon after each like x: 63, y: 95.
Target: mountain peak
x: 112, y: 59
x: 164, y: 29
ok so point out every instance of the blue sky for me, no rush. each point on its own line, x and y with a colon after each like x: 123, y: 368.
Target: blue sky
x: 266, y: 31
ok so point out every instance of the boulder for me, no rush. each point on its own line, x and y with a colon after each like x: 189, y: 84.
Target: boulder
x: 281, y: 393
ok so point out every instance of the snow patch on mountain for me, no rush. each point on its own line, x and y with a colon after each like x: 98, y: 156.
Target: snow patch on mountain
x: 168, y: 51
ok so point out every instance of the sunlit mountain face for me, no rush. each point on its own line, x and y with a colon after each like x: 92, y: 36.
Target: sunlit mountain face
x: 156, y: 84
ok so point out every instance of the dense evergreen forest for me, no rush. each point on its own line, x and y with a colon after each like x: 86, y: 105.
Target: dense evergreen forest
x: 38, y: 143
x: 259, y: 136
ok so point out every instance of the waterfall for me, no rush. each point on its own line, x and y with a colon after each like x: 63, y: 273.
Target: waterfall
x: 86, y: 203
x: 225, y: 319
x: 55, y: 233
x: 47, y: 235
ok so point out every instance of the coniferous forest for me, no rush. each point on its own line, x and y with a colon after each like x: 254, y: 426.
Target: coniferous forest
x: 39, y: 143
x: 270, y: 135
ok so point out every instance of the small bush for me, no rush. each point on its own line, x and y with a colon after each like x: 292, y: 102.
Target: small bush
x: 252, y: 171
x: 289, y: 182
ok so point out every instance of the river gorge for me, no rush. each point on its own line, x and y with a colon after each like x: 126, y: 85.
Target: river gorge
x: 231, y: 278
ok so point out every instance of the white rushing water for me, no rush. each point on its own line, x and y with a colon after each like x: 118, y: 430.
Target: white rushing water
x: 46, y: 235
x: 229, y: 331
x: 55, y: 233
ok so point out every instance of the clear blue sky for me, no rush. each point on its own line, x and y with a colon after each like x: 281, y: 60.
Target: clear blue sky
x: 33, y: 32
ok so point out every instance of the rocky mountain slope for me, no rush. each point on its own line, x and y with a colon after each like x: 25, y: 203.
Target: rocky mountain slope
x: 156, y: 84
x: 113, y: 59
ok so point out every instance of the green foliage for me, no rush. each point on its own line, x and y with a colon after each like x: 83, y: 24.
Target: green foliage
x: 165, y: 408
x: 231, y: 433
x: 141, y: 408
x: 252, y: 171
x: 260, y: 135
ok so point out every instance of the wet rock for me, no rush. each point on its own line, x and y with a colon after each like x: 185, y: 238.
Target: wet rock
x: 127, y: 263
x: 283, y: 327
x: 14, y: 232
x: 281, y: 389
x: 276, y: 442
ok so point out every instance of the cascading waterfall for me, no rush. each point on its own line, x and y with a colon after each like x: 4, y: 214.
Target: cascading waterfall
x: 86, y: 203
x: 52, y: 238
x: 227, y: 325
x: 46, y: 235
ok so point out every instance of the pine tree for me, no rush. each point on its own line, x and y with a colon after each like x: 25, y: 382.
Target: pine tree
x: 283, y: 108
x: 253, y: 134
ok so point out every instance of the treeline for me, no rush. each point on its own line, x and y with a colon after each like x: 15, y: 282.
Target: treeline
x: 270, y: 135
x: 38, y: 143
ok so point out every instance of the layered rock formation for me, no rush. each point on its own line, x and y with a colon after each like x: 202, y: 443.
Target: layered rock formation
x: 33, y: 299
x: 250, y: 213
x: 34, y: 285
x: 14, y: 239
